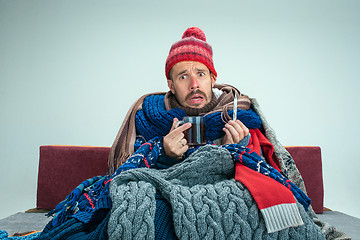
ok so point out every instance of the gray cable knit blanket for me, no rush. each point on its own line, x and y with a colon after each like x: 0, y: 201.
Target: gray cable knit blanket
x: 206, y: 202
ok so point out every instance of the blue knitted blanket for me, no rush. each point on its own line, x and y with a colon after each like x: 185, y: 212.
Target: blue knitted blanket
x: 90, y: 201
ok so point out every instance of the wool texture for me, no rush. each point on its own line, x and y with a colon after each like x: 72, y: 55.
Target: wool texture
x: 164, y: 226
x: 252, y: 160
x: 289, y: 169
x: 83, y: 202
x: 90, y: 202
x: 73, y: 229
x: 209, y: 190
x: 192, y: 47
x: 123, y: 145
x: 146, y: 155
x: 286, y: 162
x: 206, y: 202
x: 154, y: 120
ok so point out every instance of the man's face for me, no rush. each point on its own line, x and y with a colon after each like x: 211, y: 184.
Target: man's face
x: 192, y: 83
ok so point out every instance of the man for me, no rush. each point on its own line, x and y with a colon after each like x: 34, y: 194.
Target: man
x: 160, y: 187
x: 191, y: 78
x: 153, y: 120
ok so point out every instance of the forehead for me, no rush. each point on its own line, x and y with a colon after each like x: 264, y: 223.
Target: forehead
x: 187, y: 66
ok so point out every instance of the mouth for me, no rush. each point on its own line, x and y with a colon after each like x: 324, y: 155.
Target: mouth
x: 196, y: 99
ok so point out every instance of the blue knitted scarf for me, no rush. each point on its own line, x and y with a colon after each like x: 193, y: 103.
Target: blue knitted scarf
x: 154, y: 120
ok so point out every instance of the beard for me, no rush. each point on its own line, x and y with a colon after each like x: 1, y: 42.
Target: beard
x: 194, y: 111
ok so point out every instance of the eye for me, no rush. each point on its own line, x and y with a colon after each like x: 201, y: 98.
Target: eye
x: 201, y: 74
x: 182, y: 77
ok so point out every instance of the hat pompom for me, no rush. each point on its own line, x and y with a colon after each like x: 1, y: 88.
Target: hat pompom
x: 194, y: 32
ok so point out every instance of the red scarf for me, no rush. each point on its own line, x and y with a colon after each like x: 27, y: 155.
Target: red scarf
x: 274, y: 200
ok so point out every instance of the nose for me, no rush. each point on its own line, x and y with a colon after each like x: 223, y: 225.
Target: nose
x: 194, y: 83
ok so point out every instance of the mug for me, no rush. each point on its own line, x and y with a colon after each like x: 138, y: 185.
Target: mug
x: 196, y: 135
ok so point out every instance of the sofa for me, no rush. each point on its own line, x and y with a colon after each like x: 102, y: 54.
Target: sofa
x: 67, y: 166
x: 62, y: 168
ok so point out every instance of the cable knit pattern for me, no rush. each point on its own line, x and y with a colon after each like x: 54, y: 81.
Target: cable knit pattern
x: 135, y: 204
x: 206, y: 202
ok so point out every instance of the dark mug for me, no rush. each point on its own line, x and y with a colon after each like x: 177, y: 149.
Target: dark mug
x: 196, y: 135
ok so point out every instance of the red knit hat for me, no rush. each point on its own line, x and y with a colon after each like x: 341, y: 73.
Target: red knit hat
x: 192, y: 47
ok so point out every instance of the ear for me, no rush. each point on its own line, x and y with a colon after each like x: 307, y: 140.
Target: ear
x: 213, y: 79
x: 171, y: 86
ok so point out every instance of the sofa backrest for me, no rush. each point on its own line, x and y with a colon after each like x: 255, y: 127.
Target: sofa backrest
x: 63, y: 168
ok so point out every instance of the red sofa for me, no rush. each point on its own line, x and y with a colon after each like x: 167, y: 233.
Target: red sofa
x: 62, y: 168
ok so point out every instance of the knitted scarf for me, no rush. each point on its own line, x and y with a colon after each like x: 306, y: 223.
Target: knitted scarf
x: 153, y: 119
x: 123, y: 146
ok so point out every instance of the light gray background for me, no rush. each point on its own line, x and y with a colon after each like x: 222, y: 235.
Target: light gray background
x: 69, y: 71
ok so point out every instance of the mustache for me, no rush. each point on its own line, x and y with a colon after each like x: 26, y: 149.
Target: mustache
x: 195, y: 92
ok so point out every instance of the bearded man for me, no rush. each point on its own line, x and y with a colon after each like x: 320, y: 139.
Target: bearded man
x: 191, y: 78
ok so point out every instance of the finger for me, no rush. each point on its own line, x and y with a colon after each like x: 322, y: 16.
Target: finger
x: 236, y: 125
x: 244, y: 128
x: 182, y: 128
x: 241, y: 128
x: 181, y: 148
x: 234, y: 132
x: 182, y: 151
x: 175, y: 146
x: 183, y: 142
x: 176, y: 131
x: 228, y: 139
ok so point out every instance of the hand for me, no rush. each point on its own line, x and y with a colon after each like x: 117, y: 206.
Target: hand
x: 174, y: 142
x: 235, y: 131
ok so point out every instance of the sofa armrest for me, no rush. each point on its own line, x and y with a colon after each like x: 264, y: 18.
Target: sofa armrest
x: 308, y: 161
x: 63, y: 168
